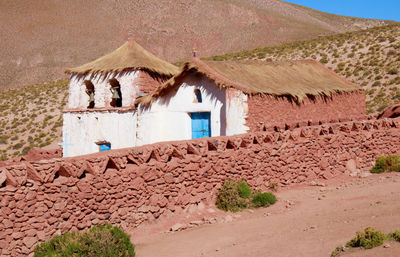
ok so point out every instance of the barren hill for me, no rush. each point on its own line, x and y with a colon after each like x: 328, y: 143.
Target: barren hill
x: 369, y: 58
x: 41, y: 38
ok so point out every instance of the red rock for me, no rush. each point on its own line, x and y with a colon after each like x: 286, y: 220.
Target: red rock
x: 19, y: 213
x: 18, y: 235
x: 122, y: 211
x: 29, y: 241
x: 169, y: 178
x: 65, y: 215
x: 8, y: 224
x: 163, y: 202
x: 114, y: 181
x: 150, y: 176
x: 30, y: 196
x: 100, y: 198
x: 52, y: 220
x: 83, y: 187
x: 41, y: 235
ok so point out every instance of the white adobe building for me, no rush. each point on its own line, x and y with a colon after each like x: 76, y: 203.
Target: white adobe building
x: 101, y: 113
x: 131, y: 98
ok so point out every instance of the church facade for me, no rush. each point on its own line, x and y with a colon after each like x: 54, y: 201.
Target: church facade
x: 101, y: 113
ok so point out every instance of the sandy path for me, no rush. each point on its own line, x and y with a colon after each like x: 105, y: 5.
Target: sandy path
x: 318, y: 220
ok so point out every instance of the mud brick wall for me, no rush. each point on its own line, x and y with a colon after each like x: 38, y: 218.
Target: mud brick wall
x: 131, y: 186
x: 147, y: 83
x: 270, y: 110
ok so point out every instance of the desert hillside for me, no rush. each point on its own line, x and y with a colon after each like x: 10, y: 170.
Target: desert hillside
x: 41, y: 38
x: 31, y: 117
x: 369, y: 58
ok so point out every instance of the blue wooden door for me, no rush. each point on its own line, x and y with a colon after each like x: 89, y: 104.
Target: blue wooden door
x: 201, y: 124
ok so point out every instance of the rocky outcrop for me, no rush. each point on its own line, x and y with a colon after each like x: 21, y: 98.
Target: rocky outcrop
x: 390, y: 112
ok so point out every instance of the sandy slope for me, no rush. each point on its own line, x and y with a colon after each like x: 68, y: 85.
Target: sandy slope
x: 307, y: 221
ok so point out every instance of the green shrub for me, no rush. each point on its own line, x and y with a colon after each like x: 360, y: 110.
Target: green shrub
x: 393, y: 71
x: 229, y: 199
x: 395, y: 235
x: 263, y: 199
x: 234, y: 197
x: 368, y: 239
x: 376, y: 84
x: 386, y: 164
x: 103, y: 240
x: 244, y: 190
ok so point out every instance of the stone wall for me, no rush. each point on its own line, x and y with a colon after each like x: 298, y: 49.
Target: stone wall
x: 130, y: 186
x: 271, y: 110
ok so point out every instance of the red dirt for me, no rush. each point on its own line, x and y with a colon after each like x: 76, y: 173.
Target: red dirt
x: 299, y: 224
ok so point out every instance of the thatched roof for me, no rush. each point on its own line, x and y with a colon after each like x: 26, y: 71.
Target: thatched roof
x: 295, y: 79
x: 130, y: 56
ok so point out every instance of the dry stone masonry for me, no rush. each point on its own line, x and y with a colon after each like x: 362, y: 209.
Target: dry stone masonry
x: 40, y: 199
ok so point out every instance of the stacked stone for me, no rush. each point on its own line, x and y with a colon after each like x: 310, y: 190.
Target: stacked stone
x: 131, y: 186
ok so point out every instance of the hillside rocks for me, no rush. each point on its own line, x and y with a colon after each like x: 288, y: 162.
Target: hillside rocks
x: 390, y: 112
x: 128, y: 187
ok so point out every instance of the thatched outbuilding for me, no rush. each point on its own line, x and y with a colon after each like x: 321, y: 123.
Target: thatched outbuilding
x: 250, y: 95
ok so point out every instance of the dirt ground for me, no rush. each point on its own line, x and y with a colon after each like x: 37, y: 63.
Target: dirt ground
x: 306, y: 221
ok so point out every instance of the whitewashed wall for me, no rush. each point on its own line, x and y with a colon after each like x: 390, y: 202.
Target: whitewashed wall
x: 236, y: 112
x: 169, y: 118
x: 84, y: 129
x: 78, y: 99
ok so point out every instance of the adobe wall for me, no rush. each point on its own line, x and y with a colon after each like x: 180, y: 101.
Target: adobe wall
x: 269, y: 110
x: 146, y: 82
x: 169, y: 117
x: 78, y: 98
x: 83, y: 130
x: 130, y: 186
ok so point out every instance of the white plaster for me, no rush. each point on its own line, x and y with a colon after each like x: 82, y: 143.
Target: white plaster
x: 84, y: 129
x: 236, y: 112
x: 169, y: 118
x: 78, y: 99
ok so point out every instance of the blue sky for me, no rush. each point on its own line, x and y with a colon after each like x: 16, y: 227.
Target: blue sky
x: 374, y: 9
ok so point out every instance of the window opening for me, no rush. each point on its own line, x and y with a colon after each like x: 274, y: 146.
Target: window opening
x: 116, y: 99
x: 104, y: 146
x: 90, y: 92
x: 198, y: 95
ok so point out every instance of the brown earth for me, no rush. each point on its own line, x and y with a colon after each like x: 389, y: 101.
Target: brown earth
x: 41, y: 38
x: 306, y: 221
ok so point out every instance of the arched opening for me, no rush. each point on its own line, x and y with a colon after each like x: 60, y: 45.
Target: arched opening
x: 90, y: 92
x: 116, y: 99
x: 197, y: 93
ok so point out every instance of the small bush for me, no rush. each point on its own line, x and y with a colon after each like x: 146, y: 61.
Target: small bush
x: 376, y: 84
x: 229, y: 199
x: 368, y: 239
x: 103, y: 240
x: 263, y: 199
x: 244, y: 190
x: 386, y: 164
x: 393, y: 71
x: 395, y: 235
x: 234, y: 197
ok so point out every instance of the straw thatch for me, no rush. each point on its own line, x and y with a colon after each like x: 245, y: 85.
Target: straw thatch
x: 130, y: 56
x: 295, y: 79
